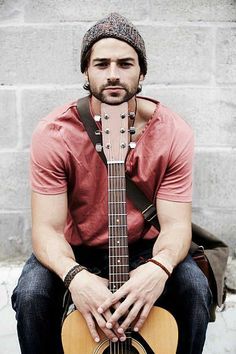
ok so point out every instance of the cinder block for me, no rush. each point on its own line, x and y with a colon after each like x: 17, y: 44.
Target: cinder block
x: 8, y: 119
x: 14, y: 186
x: 210, y: 111
x: 226, y: 55
x: 12, y: 10
x: 178, y: 55
x: 85, y: 10
x: 221, y: 222
x: 14, y: 236
x: 214, y: 179
x: 36, y: 104
x: 35, y: 55
x: 195, y: 10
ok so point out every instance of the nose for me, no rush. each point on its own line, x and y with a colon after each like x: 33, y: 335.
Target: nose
x: 113, y: 73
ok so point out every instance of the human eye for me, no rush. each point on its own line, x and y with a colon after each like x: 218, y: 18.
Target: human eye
x: 101, y: 64
x: 126, y: 64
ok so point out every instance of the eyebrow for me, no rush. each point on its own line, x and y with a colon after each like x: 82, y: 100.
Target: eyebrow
x: 107, y: 59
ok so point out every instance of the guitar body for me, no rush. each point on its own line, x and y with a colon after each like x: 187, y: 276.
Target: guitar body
x: 159, y: 333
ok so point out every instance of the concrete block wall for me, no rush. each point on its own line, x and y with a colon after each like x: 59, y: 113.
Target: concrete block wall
x: 191, y: 47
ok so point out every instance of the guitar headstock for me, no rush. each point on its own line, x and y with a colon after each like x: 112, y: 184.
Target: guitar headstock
x: 115, y: 131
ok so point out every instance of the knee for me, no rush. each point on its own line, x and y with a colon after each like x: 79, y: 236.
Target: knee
x: 25, y: 301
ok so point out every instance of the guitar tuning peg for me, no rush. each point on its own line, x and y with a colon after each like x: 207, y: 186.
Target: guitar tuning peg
x: 131, y: 115
x: 97, y: 132
x: 132, y: 145
x: 98, y: 147
x: 97, y: 118
x: 132, y: 130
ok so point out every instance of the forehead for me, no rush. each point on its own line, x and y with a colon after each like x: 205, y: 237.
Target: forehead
x: 112, y: 48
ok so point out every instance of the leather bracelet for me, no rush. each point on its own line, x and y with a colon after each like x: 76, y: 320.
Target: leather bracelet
x: 159, y: 265
x: 72, y: 273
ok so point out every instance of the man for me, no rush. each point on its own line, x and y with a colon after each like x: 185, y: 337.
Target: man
x: 69, y: 210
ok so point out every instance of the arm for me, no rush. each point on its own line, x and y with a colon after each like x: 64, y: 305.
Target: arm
x: 147, y: 282
x: 49, y: 214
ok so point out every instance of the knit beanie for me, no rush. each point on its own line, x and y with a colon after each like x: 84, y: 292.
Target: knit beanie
x: 114, y: 26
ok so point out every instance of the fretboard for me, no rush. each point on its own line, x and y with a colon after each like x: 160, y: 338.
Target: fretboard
x: 117, y: 226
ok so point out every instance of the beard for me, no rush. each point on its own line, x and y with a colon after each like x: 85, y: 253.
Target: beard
x: 114, y: 98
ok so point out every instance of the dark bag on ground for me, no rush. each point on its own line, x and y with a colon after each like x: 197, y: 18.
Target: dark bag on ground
x: 211, y: 255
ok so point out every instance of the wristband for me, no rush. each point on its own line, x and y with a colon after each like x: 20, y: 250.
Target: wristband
x: 159, y: 265
x: 72, y: 273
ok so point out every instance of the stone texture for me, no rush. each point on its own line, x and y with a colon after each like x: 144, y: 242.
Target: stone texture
x: 15, y: 233
x: 231, y: 275
x: 8, y: 119
x: 170, y: 51
x: 194, y: 10
x: 14, y: 187
x: 38, y: 103
x: 214, y: 179
x: 210, y: 111
x: 226, y: 55
x: 85, y: 10
x: 36, y: 55
x: 220, y: 221
x: 12, y: 10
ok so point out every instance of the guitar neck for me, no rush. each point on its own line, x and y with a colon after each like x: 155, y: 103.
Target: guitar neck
x: 117, y: 226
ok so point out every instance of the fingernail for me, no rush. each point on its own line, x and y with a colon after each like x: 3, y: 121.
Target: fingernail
x: 122, y: 339
x: 97, y: 339
x: 114, y: 339
x: 108, y: 325
x: 120, y: 330
x: 100, y: 310
x: 135, y: 329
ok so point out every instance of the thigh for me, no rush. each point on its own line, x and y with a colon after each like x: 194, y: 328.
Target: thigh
x: 187, y: 288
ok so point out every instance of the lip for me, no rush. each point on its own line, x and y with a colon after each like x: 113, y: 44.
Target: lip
x: 114, y: 88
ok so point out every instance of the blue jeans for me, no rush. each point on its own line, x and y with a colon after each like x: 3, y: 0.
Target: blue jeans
x: 38, y: 300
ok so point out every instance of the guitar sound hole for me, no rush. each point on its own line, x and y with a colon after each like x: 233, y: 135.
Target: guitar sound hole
x: 121, y: 348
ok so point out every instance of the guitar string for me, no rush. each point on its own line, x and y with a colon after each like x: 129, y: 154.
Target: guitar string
x: 117, y: 214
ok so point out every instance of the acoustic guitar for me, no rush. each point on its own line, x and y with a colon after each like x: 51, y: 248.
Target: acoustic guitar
x: 159, y: 334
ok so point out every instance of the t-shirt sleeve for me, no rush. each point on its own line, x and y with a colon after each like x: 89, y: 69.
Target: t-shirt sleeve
x: 177, y: 181
x: 48, y: 160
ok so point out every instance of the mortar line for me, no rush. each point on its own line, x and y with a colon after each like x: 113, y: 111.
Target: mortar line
x: 78, y: 87
x: 145, y: 23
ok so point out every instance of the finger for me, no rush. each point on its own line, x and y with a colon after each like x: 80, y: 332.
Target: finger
x: 102, y: 324
x: 111, y: 301
x: 92, y: 327
x: 107, y: 315
x: 142, y: 317
x: 132, y: 315
x: 120, y: 311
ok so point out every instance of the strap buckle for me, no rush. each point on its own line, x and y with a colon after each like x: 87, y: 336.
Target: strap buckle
x: 149, y: 213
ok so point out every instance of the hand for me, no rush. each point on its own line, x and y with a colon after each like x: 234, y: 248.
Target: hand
x: 141, y: 291
x: 88, y: 291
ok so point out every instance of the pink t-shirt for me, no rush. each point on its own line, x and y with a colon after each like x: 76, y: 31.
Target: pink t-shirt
x: 63, y: 159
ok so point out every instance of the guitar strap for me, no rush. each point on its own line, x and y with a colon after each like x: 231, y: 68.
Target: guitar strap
x: 213, y: 253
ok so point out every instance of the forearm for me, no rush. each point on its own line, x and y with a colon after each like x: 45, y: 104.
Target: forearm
x: 52, y: 250
x: 173, y: 244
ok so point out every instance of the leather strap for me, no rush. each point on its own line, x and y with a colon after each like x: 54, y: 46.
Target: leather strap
x: 133, y: 192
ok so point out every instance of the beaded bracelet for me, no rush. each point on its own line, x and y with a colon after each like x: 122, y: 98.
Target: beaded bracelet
x: 159, y: 265
x: 72, y: 273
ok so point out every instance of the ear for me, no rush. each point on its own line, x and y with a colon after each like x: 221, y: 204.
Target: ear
x: 86, y: 75
x: 141, y: 78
